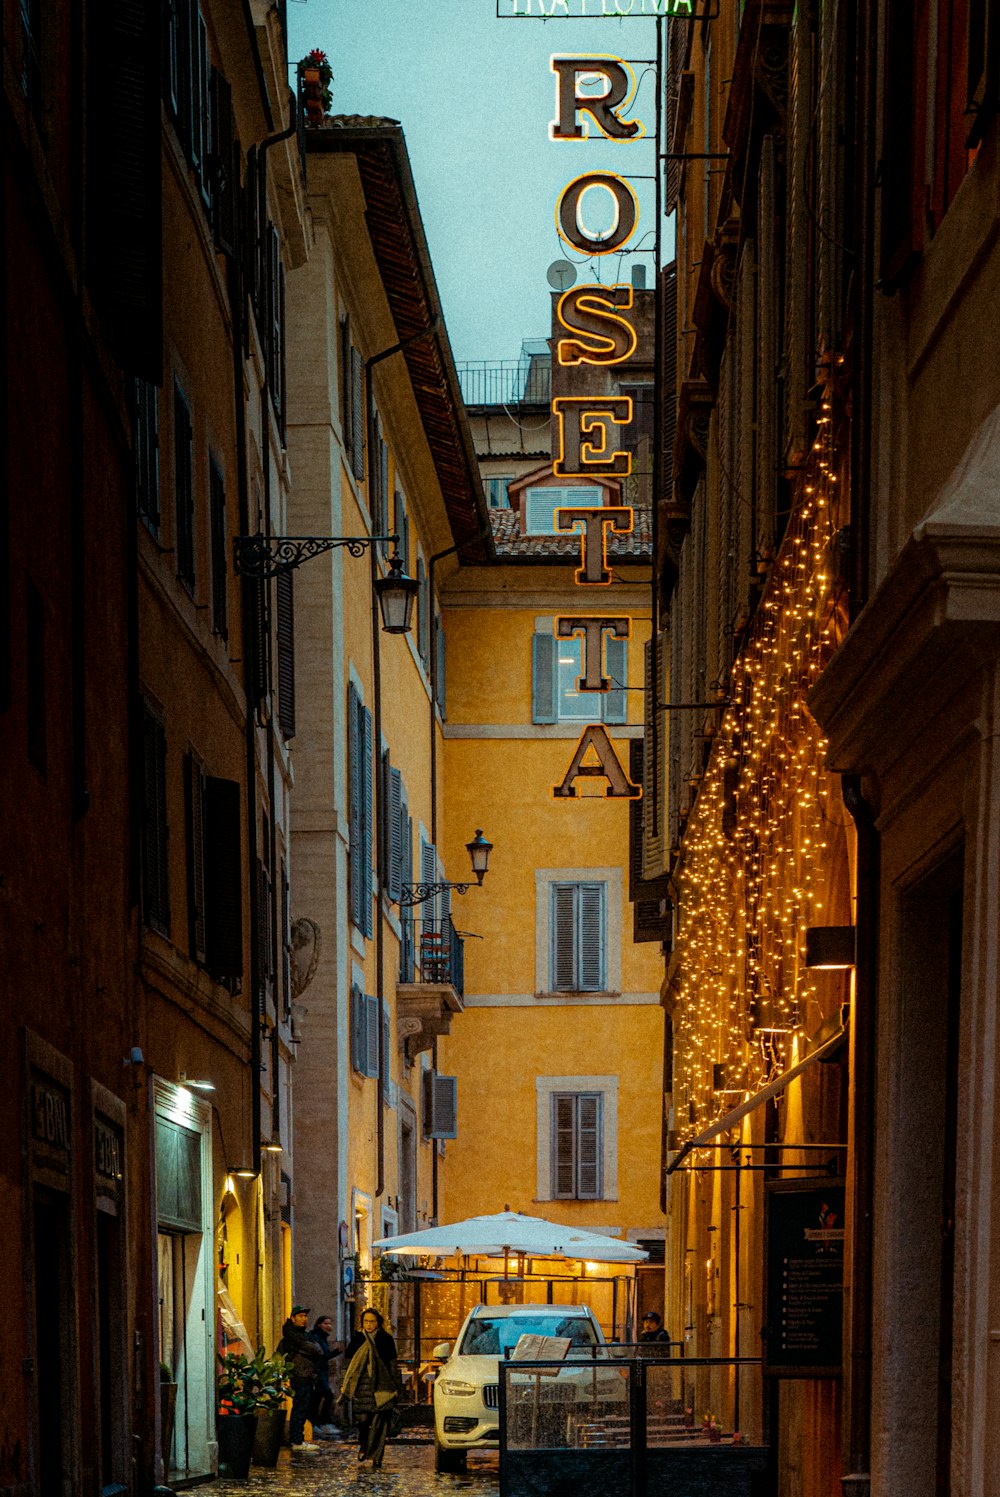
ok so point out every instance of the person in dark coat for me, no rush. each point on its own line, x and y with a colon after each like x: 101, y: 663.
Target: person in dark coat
x: 321, y: 1408
x: 653, y: 1328
x: 304, y: 1354
x: 372, y: 1381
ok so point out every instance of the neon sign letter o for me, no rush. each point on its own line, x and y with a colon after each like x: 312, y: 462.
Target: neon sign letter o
x: 568, y: 213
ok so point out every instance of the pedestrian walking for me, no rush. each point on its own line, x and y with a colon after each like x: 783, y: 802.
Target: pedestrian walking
x: 321, y: 1407
x: 297, y: 1344
x: 372, y: 1381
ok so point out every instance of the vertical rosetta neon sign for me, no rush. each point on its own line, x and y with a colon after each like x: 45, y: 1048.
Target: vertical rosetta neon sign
x: 588, y: 425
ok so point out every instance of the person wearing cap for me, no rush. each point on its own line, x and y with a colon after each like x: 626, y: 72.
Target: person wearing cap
x: 653, y: 1328
x: 305, y: 1355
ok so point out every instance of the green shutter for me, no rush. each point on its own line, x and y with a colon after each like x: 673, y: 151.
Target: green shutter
x: 543, y: 678
x: 365, y: 850
x: 354, y: 862
x: 393, y: 814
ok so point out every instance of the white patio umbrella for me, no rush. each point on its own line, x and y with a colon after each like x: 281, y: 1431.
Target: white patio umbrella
x: 507, y: 1232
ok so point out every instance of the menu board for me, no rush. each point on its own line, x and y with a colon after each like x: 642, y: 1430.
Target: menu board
x: 805, y: 1278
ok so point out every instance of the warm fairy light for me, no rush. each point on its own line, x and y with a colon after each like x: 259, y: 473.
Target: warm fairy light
x: 751, y: 874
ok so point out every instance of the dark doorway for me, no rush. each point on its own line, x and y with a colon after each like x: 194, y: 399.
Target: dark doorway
x: 53, y: 1341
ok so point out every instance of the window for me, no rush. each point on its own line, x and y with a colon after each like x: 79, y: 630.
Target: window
x: 440, y: 666
x: 577, y: 938
x: 557, y: 666
x: 183, y: 489
x: 497, y: 496
x: 541, y: 504
x: 285, y: 642
x: 147, y: 455
x: 215, y: 873
x: 440, y: 1106
x: 423, y: 612
x: 219, y: 558
x: 641, y: 426
x: 352, y: 403
x: 31, y: 54
x: 359, y: 779
x: 577, y: 1145
x: 577, y: 1138
x: 155, y: 890
x: 364, y: 1031
x: 401, y: 528
x: 380, y: 487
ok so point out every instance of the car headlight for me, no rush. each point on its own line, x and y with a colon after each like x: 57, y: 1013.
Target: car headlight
x: 449, y: 1385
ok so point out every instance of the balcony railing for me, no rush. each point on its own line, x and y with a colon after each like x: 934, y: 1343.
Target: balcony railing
x: 527, y: 380
x: 441, y: 954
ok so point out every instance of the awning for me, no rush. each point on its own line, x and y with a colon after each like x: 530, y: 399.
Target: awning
x: 737, y: 1114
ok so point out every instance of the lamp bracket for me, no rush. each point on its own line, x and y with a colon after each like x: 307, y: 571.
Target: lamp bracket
x: 413, y: 894
x: 270, y: 555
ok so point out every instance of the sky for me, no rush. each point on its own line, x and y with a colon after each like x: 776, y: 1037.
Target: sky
x: 475, y: 95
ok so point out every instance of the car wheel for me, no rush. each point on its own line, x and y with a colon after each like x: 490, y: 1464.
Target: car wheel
x: 448, y: 1460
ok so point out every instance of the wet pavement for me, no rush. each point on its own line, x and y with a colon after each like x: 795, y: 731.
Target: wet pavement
x: 334, y: 1472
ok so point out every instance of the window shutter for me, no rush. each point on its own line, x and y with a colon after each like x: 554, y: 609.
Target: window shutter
x: 146, y: 451
x: 123, y: 170
x: 616, y: 664
x: 371, y: 1035
x: 591, y: 900
x: 543, y: 678
x: 394, y: 811
x: 224, y: 165
x: 564, y: 1147
x: 423, y: 613
x: 383, y: 491
x: 219, y: 557
x: 285, y: 636
x: 183, y: 489
x: 406, y: 962
x: 386, y: 1053
x: 401, y: 526
x: 195, y: 797
x: 359, y: 1031
x: 200, y: 116
x: 440, y: 1106
x: 357, y: 415
x: 346, y: 401
x: 588, y: 1145
x: 355, y: 881
x: 155, y: 866
x: 563, y: 938
x: 223, y: 879
x: 367, y: 889
x: 441, y: 667
x: 286, y: 943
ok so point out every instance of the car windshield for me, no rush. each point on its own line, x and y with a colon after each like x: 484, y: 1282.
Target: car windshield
x: 485, y: 1337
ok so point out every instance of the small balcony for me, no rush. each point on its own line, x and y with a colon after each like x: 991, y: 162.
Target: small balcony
x: 424, y: 1007
x: 523, y: 381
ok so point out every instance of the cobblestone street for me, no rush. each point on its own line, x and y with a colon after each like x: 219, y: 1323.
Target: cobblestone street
x: 334, y: 1472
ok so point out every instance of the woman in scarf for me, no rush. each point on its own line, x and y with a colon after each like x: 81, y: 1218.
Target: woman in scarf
x: 372, y: 1381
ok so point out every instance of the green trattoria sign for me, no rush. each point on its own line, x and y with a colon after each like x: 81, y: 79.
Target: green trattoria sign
x: 594, y: 10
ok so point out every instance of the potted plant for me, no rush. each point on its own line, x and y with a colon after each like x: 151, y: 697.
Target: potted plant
x: 238, y: 1389
x: 317, y: 75
x: 274, y: 1387
x: 168, y: 1410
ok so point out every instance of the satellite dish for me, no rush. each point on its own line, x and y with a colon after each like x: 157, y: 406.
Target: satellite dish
x: 561, y: 274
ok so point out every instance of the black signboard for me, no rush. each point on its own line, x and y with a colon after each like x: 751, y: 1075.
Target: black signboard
x: 805, y: 1278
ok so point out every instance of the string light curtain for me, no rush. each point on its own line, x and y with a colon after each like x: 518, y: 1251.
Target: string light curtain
x: 753, y: 862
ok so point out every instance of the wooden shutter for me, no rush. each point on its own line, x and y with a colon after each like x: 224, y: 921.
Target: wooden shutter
x: 178, y: 1176
x: 367, y: 890
x: 428, y: 874
x: 423, y: 613
x: 588, y: 1146
x: 401, y: 526
x: 195, y: 797
x: 359, y: 1031
x: 220, y: 557
x: 591, y: 918
x: 224, y: 164
x: 123, y: 174
x: 265, y: 934
x: 654, y: 769
x: 562, y: 917
x: 155, y: 867
x: 354, y: 778
x: 200, y: 116
x: 146, y: 448
x: 286, y: 943
x: 386, y: 1054
x: 223, y: 879
x: 382, y: 523
x: 346, y: 400
x: 440, y: 681
x: 394, y: 813
x: 285, y: 641
x: 406, y: 958
x: 616, y: 669
x: 372, y: 1018
x: 543, y: 678
x: 183, y: 488
x: 440, y: 1106
x: 564, y: 1147
x: 357, y: 415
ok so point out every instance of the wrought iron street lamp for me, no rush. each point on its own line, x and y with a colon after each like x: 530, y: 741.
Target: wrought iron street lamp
x: 263, y: 556
x: 479, y: 855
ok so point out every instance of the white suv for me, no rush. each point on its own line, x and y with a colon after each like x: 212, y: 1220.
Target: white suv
x: 466, y: 1389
